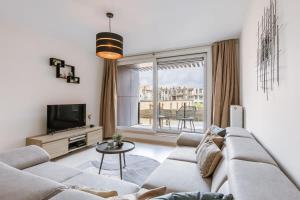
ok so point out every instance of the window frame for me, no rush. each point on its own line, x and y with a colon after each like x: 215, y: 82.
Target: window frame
x: 152, y: 57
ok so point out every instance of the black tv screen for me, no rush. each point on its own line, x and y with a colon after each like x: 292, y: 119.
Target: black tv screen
x: 61, y: 117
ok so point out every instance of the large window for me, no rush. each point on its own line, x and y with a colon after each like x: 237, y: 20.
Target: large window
x: 167, y: 94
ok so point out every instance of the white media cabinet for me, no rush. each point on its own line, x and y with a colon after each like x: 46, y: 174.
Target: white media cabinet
x: 64, y: 142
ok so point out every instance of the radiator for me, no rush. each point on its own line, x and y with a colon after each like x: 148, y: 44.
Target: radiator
x: 236, y: 116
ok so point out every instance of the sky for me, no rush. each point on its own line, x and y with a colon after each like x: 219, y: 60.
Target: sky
x: 188, y: 77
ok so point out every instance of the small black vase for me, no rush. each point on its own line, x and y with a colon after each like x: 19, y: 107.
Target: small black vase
x: 119, y: 144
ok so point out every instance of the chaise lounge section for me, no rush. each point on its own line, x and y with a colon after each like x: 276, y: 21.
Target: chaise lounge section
x: 246, y: 170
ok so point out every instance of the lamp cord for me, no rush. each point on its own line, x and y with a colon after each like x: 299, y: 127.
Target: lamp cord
x: 109, y: 25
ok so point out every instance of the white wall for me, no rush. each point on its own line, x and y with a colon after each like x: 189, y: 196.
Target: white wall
x: 275, y: 122
x: 31, y: 32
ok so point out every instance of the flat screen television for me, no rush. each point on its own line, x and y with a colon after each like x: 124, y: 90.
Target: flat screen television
x: 61, y: 117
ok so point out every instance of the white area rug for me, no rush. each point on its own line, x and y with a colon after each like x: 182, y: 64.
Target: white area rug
x: 137, y: 169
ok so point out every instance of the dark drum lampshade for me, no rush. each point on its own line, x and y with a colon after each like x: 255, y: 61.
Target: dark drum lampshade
x: 109, y: 45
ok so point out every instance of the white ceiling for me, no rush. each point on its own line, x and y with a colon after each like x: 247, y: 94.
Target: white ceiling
x: 146, y: 25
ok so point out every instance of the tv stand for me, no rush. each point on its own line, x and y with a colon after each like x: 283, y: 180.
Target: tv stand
x: 67, y: 141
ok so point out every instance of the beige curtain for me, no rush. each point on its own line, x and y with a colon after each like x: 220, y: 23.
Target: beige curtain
x: 108, y: 98
x: 225, y: 71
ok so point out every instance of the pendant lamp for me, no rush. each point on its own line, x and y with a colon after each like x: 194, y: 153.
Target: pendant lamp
x: 109, y: 45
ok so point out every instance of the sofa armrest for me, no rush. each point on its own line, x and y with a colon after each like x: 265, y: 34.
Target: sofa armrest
x: 189, y: 139
x: 24, y: 157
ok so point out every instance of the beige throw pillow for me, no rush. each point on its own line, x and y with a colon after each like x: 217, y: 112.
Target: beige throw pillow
x: 102, y: 193
x: 145, y: 194
x: 142, y: 194
x: 204, y: 139
x: 208, y: 157
x: 218, y: 140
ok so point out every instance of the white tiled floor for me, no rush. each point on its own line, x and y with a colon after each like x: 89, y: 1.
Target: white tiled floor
x: 157, y: 152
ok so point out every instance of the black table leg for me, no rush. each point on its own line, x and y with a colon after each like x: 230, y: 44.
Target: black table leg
x: 120, y: 161
x: 101, y: 163
x: 178, y: 124
x: 182, y: 125
x: 193, y: 125
x: 124, y: 160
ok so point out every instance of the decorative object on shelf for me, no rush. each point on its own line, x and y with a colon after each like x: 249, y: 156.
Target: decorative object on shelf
x: 268, y: 49
x: 64, y: 71
x: 90, y: 118
x: 57, y: 62
x: 73, y: 79
x: 109, y: 45
x: 118, y: 137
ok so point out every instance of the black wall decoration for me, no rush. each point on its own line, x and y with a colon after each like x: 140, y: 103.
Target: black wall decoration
x: 64, y: 71
x: 268, y: 49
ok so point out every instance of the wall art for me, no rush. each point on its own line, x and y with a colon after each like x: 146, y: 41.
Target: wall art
x: 268, y: 49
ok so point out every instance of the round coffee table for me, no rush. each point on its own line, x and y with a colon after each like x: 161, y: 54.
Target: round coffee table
x: 103, y: 148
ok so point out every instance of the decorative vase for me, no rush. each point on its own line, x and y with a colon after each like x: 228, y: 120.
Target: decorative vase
x: 119, y: 143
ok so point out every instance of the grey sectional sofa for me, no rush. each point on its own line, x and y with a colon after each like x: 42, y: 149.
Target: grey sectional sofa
x: 27, y: 174
x: 246, y: 170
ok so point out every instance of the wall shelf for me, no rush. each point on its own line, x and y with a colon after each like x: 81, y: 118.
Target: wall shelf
x: 64, y: 71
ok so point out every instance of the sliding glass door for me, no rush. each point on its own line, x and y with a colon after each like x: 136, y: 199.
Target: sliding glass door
x: 181, y: 82
x: 166, y: 95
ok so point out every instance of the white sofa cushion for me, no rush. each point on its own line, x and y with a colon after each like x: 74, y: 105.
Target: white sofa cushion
x: 238, y: 132
x: 102, y: 183
x: 19, y: 185
x: 189, y: 139
x: 259, y: 181
x: 247, y: 149
x: 75, y: 195
x: 53, y: 171
x: 184, y: 153
x: 178, y: 176
x: 24, y: 157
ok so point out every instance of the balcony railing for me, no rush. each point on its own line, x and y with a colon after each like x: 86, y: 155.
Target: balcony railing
x: 173, y: 115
